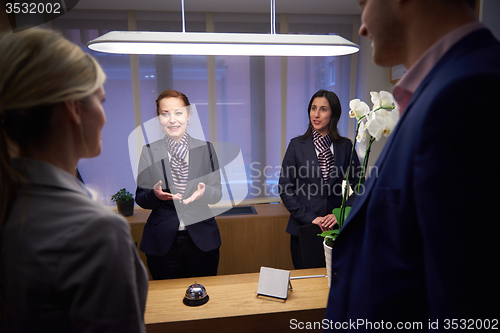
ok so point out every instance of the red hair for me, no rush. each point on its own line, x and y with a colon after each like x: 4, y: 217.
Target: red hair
x: 170, y: 93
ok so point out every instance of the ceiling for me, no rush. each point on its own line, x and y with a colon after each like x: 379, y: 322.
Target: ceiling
x: 231, y: 6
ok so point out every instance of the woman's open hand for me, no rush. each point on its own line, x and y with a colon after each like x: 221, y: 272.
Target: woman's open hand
x: 165, y: 195
x: 196, y: 195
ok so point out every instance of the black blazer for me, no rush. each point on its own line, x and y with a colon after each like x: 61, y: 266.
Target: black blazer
x: 301, y: 185
x: 163, y: 222
x: 413, y: 250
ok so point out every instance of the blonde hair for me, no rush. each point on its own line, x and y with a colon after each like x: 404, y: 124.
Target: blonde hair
x: 38, y: 69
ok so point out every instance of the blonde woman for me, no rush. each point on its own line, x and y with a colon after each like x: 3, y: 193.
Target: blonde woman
x: 66, y: 262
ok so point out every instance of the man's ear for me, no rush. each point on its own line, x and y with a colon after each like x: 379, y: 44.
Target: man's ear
x: 73, y: 111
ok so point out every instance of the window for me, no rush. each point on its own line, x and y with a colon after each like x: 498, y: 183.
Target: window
x: 257, y: 103
x: 332, y: 72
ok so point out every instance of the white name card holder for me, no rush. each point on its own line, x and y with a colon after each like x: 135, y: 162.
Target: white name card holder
x: 274, y: 283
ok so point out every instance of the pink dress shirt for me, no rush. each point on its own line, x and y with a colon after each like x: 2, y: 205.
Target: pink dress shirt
x: 410, y: 81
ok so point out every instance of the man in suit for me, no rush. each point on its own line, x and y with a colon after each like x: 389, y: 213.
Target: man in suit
x: 418, y: 245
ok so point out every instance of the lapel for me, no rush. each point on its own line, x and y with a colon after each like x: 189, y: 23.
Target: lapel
x: 195, y: 163
x: 311, y: 160
x: 160, y: 153
x: 313, y: 170
x: 465, y: 44
x: 339, y: 155
x: 160, y: 156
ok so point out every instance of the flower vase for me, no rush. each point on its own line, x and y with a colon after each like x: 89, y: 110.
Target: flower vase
x: 328, y: 259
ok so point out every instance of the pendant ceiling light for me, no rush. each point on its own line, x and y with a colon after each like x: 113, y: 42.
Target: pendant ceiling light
x: 190, y: 43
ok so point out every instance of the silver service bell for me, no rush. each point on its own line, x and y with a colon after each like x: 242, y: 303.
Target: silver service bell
x: 196, y: 295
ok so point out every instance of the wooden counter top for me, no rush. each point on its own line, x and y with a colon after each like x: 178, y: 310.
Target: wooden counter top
x: 234, y: 305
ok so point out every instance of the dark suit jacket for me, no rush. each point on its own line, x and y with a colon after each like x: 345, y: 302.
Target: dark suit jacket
x: 163, y: 222
x: 420, y: 244
x: 301, y: 184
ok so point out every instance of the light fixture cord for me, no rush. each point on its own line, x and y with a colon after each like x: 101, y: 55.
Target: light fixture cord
x: 273, y: 17
x: 183, y: 18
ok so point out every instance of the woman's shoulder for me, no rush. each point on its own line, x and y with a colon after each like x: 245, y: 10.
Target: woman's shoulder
x: 100, y: 223
x: 344, y: 141
x: 80, y: 209
x: 90, y: 211
x: 193, y: 142
x: 155, y: 144
x: 67, y: 216
x: 300, y: 138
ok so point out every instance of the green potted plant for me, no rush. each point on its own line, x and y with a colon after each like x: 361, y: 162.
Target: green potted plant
x: 371, y: 125
x: 124, y: 202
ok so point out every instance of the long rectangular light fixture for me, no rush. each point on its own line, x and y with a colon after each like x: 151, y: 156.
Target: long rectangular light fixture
x: 192, y: 43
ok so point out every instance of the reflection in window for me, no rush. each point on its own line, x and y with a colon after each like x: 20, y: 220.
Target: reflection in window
x: 248, y: 91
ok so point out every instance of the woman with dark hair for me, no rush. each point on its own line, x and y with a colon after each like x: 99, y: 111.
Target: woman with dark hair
x: 178, y: 178
x: 313, y: 168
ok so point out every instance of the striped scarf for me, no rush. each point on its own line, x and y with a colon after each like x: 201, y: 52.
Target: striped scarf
x: 178, y: 165
x: 325, y: 156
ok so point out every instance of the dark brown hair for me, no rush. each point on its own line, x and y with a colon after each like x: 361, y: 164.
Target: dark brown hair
x: 170, y: 93
x: 336, y: 108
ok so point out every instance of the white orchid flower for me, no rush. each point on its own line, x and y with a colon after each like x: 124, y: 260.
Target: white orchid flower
x: 375, y: 125
x: 391, y: 119
x: 372, y: 124
x: 380, y: 123
x: 375, y: 97
x: 358, y: 109
x: 389, y: 126
x: 362, y: 135
x: 383, y: 99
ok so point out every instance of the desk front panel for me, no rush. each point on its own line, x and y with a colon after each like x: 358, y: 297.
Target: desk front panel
x: 248, y: 241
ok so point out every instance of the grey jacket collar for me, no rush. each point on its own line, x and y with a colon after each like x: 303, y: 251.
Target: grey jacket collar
x: 45, y: 174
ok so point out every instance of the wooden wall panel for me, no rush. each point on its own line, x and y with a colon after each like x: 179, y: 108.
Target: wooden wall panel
x: 248, y: 241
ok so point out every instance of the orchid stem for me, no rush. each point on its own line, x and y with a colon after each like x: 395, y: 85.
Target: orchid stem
x: 344, y: 196
x: 365, y: 161
x: 383, y: 107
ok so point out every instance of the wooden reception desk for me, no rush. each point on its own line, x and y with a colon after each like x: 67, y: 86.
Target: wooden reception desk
x: 248, y: 241
x: 234, y: 305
